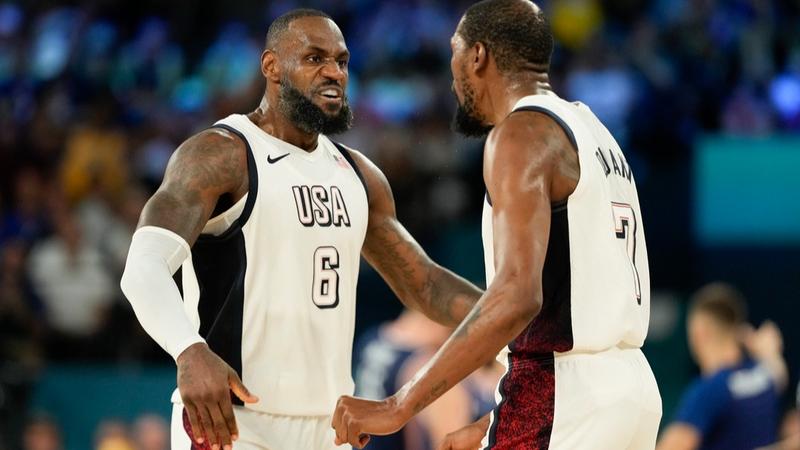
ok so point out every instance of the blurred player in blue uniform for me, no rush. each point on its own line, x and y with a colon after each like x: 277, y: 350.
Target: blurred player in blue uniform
x: 735, y: 402
x: 388, y: 355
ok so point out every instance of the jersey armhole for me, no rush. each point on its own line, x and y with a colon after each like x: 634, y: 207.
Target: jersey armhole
x: 346, y: 153
x: 252, y: 189
x: 556, y: 118
x: 559, y: 206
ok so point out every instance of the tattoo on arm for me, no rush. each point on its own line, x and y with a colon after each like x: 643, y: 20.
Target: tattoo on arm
x: 464, y: 329
x: 206, y: 166
x: 435, y: 392
x: 418, y: 281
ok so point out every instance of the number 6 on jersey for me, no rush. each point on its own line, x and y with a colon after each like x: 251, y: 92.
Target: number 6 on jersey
x: 325, y: 288
x: 625, y: 227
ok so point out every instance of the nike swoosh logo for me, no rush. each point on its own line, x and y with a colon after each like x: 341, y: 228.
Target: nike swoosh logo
x: 273, y: 161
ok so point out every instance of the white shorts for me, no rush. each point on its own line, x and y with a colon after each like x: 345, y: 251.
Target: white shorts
x: 599, y: 401
x: 262, y: 431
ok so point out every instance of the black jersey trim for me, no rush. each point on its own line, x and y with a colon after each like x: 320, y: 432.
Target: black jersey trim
x: 554, y: 116
x: 503, y: 398
x: 220, y: 266
x: 252, y: 189
x: 346, y: 153
x: 178, y: 279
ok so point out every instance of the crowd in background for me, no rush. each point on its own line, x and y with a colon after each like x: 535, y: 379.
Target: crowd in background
x: 94, y: 99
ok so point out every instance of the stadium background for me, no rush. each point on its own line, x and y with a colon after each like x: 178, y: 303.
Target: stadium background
x: 703, y: 95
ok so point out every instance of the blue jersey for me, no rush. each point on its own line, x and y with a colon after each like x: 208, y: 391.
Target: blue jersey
x: 735, y: 408
x: 378, y: 362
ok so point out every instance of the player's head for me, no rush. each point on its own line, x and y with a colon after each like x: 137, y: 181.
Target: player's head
x: 716, y: 315
x: 511, y: 36
x: 305, y: 63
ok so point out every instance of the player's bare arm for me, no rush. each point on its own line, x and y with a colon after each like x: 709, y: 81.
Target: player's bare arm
x: 207, y: 166
x: 417, y: 281
x: 526, y: 169
x: 204, y: 168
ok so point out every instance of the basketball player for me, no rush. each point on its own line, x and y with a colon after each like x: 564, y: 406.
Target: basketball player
x: 263, y: 219
x: 389, y: 355
x: 568, y: 299
x: 735, y: 403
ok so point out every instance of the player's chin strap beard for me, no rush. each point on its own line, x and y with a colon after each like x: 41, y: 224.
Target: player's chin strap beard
x: 310, y: 118
x: 466, y: 120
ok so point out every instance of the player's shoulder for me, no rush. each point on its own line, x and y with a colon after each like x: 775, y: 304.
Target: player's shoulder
x: 213, y: 144
x: 711, y: 388
x: 212, y: 158
x: 530, y: 127
x: 524, y: 139
x: 376, y: 182
x: 358, y: 157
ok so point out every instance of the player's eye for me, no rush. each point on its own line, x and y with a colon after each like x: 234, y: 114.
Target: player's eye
x: 343, y: 63
x: 314, y: 59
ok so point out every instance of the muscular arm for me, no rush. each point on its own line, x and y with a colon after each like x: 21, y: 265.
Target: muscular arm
x: 205, y: 167
x: 518, y: 168
x: 202, y: 169
x: 418, y: 282
x: 523, y: 156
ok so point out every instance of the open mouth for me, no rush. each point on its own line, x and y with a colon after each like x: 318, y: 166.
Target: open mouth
x: 331, y: 93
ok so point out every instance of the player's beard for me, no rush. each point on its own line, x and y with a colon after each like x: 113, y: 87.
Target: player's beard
x: 467, y: 120
x: 309, y: 117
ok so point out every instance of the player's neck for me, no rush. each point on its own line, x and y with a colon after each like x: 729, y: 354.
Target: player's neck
x: 272, y: 121
x: 717, y: 357
x: 507, y: 94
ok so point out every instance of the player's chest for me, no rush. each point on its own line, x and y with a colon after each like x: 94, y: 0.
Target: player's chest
x: 312, y: 198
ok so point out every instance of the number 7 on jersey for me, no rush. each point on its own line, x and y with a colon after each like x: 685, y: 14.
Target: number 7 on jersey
x: 625, y: 228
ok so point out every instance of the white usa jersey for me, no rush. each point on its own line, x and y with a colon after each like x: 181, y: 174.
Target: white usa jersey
x: 595, y: 281
x: 271, y: 282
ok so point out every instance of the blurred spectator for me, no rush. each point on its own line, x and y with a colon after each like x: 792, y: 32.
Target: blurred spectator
x: 75, y: 286
x: 747, y: 113
x: 734, y: 405
x: 151, y: 432
x: 20, y: 334
x: 41, y: 433
x: 95, y: 155
x: 26, y: 219
x: 113, y: 435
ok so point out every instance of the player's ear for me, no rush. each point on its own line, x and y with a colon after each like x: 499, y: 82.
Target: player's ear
x: 480, y: 57
x: 269, y: 66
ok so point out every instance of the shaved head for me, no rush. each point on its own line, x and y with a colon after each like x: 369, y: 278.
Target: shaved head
x: 281, y: 24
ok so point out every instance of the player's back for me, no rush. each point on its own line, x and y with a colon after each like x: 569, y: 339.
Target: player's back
x: 596, y: 284
x: 575, y: 376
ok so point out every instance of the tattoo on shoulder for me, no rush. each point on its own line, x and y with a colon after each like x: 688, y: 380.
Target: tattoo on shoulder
x: 213, y: 159
x: 204, y: 167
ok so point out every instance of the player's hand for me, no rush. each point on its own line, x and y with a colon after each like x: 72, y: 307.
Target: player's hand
x: 765, y: 342
x: 205, y: 382
x: 467, y: 438
x: 356, y: 418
